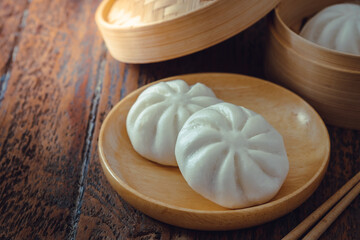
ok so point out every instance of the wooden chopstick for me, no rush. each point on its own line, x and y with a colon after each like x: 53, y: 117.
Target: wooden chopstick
x: 333, y: 214
x: 297, y: 232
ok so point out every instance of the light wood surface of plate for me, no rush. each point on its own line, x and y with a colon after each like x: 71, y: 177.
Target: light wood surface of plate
x: 145, y: 31
x: 162, y: 193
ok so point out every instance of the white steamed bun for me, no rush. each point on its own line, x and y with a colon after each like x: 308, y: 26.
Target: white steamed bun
x: 336, y: 27
x: 231, y: 156
x: 158, y: 114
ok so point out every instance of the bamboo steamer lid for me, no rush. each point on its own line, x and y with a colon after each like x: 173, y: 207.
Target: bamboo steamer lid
x: 145, y: 31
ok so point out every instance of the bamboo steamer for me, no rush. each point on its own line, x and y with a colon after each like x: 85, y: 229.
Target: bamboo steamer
x: 327, y: 79
x: 145, y: 31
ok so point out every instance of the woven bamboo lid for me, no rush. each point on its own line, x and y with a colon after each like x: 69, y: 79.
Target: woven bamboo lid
x: 143, y: 12
x: 144, y: 31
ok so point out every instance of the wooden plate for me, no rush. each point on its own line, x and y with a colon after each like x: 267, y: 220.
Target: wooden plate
x: 162, y: 193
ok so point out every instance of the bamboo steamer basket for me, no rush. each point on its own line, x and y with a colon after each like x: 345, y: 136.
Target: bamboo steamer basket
x: 329, y: 80
x: 145, y: 31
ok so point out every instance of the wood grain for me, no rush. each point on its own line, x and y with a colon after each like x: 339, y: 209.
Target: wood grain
x: 45, y: 119
x: 12, y: 20
x: 60, y: 85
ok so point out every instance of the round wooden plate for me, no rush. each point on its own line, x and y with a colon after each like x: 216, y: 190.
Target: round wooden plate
x: 162, y: 193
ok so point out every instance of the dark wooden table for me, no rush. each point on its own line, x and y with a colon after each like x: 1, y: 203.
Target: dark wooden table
x: 58, y: 82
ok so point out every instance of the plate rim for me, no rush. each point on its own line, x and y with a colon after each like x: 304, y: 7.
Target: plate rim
x: 318, y: 176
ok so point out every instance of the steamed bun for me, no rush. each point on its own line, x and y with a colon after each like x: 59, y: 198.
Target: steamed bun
x: 158, y: 114
x: 231, y: 156
x: 336, y: 27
